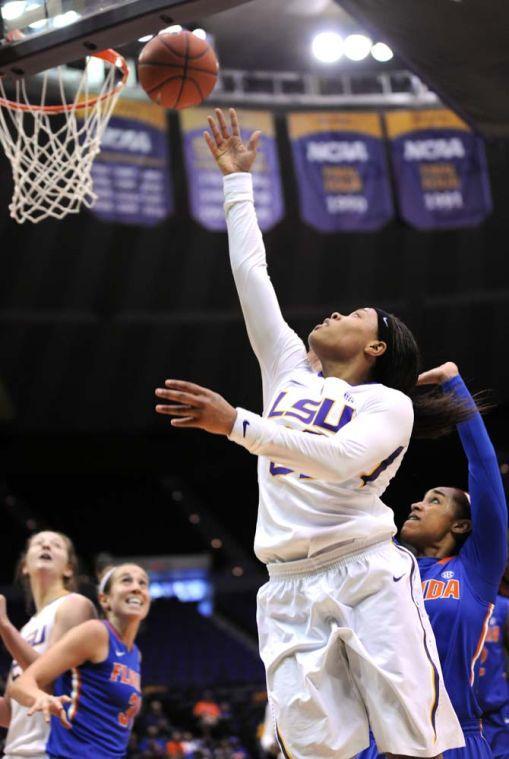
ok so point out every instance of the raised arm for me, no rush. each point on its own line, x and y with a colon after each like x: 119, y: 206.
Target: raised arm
x: 486, y: 548
x: 73, y: 611
x: 275, y: 344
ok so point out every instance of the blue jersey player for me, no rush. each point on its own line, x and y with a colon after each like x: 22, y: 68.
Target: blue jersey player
x: 491, y: 686
x: 96, y: 671
x: 460, y: 542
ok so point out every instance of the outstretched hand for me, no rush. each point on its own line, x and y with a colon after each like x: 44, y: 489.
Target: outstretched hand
x: 51, y: 705
x: 226, y: 146
x: 195, y: 406
x: 439, y: 374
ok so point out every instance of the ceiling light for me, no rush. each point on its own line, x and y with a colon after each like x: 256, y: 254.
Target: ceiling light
x: 201, y: 33
x: 146, y: 38
x: 381, y: 52
x: 357, y: 47
x: 13, y: 9
x: 40, y: 24
x: 174, y: 29
x: 64, y: 19
x: 327, y: 47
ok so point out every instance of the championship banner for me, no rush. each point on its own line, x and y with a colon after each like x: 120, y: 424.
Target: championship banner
x: 205, y: 181
x: 341, y: 170
x: 132, y: 172
x: 440, y: 169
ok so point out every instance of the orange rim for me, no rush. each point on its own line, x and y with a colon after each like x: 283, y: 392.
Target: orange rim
x: 111, y: 57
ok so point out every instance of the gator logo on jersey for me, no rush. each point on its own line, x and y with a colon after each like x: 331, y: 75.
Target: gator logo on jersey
x: 432, y: 590
x: 123, y: 674
x: 447, y: 575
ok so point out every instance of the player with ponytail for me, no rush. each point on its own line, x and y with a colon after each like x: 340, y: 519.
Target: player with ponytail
x: 343, y: 634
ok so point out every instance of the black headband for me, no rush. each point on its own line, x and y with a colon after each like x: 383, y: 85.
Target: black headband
x: 384, y: 326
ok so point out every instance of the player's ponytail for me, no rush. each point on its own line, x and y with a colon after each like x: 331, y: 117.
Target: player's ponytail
x: 436, y: 412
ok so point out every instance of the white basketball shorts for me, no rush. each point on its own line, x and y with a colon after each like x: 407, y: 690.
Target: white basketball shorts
x: 347, y: 645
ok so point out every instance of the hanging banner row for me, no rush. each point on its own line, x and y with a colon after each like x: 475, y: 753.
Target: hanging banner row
x: 342, y: 163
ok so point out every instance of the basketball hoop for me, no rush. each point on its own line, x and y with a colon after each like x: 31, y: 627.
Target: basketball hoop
x: 52, y: 147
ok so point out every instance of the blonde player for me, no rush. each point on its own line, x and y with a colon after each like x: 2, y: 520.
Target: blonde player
x: 48, y: 569
x: 343, y: 634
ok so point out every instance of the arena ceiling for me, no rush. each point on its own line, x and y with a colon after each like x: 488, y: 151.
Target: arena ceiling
x: 460, y: 49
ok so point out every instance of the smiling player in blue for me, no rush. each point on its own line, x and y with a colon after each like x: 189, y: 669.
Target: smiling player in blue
x: 95, y: 669
x: 460, y: 541
x: 491, y: 687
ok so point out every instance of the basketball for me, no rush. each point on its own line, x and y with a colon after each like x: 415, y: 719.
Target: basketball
x: 177, y: 70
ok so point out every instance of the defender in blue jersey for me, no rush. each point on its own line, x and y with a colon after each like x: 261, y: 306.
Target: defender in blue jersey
x: 460, y: 541
x: 491, y: 687
x: 96, y: 671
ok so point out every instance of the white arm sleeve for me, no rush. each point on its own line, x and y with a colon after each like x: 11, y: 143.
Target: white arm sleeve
x: 277, y: 347
x: 358, y: 448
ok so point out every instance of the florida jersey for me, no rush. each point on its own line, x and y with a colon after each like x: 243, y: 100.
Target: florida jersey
x: 105, y: 699
x: 491, y: 685
x: 327, y: 450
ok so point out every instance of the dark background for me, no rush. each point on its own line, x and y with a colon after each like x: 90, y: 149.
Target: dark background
x: 94, y: 316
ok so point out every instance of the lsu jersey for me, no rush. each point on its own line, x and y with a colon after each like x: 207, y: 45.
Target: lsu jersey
x: 105, y: 699
x: 319, y: 491
x: 26, y: 735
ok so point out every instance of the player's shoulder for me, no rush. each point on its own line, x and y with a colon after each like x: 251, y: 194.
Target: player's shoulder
x: 93, y: 630
x: 380, y: 396
x: 76, y: 605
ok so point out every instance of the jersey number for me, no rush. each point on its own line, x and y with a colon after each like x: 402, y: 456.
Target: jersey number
x: 126, y: 718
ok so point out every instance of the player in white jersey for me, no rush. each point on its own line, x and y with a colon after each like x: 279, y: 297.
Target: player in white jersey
x: 47, y: 569
x: 343, y: 634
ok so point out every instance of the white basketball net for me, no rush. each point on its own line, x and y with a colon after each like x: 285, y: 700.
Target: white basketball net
x: 52, y: 148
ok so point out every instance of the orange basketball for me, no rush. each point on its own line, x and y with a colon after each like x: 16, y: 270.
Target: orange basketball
x: 177, y: 70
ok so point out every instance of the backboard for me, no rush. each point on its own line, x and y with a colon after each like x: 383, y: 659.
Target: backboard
x: 39, y: 34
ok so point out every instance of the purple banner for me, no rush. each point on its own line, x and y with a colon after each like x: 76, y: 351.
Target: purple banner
x: 341, y: 171
x: 132, y: 173
x: 440, y: 170
x: 205, y: 181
